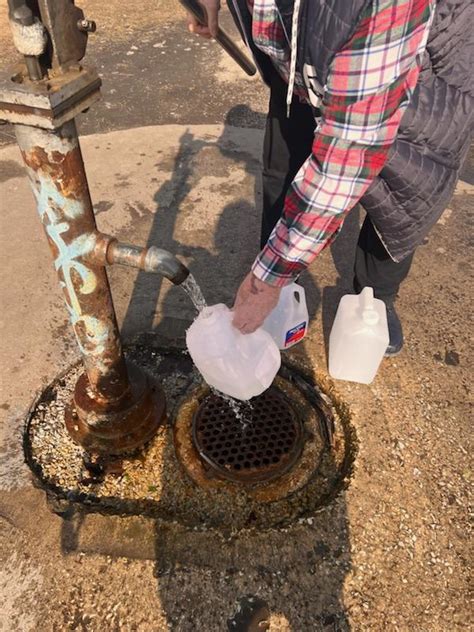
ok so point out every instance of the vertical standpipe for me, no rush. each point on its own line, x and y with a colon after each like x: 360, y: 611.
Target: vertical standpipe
x: 56, y: 171
x: 115, y: 408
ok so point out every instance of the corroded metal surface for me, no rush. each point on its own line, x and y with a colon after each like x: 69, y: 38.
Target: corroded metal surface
x: 48, y: 103
x: 115, y: 428
x: 56, y: 171
x: 151, y: 481
x: 113, y: 410
x: 257, y: 443
x: 67, y: 41
x: 149, y: 259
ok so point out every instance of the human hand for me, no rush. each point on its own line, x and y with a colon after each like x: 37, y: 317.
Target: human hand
x: 253, y: 303
x: 212, y: 8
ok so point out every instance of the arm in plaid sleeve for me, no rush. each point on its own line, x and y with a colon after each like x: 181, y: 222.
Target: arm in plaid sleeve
x: 367, y: 91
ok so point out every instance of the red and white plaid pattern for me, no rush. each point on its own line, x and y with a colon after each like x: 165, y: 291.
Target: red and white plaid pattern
x: 368, y: 88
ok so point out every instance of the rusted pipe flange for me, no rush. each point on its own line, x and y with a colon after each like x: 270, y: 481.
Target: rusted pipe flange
x: 120, y: 426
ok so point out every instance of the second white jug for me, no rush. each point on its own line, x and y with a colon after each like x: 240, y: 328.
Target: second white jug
x: 287, y: 324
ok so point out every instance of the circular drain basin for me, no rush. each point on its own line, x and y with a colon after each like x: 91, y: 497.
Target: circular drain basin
x: 248, y: 442
x: 168, y: 479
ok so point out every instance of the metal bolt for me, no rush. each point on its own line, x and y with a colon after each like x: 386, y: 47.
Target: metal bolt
x: 87, y: 26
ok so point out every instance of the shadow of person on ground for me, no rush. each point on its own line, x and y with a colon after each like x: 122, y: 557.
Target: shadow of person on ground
x: 291, y: 571
x: 298, y: 571
x: 147, y: 288
x: 218, y: 267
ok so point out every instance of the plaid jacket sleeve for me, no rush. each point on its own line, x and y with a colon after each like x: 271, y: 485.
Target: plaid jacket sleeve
x: 367, y: 91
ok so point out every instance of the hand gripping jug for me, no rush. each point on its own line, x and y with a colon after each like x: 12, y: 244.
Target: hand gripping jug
x: 359, y: 337
x: 287, y: 324
x: 238, y: 365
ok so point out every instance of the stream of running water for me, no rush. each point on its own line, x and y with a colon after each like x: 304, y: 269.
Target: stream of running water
x: 241, y: 409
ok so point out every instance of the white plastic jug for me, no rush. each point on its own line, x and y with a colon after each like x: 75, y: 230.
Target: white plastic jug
x: 359, y: 337
x: 238, y: 365
x: 287, y: 324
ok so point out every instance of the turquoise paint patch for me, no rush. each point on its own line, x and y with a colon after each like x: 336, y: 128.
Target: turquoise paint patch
x: 54, y: 210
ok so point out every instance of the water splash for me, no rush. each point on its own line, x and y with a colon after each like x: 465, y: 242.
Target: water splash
x: 242, y: 409
x: 194, y: 292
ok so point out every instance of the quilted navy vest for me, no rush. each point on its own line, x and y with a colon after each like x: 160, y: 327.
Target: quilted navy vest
x: 424, y: 162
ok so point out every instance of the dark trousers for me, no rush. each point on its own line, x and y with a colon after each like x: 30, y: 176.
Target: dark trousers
x: 287, y: 144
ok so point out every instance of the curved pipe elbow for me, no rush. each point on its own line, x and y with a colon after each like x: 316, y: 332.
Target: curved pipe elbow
x: 163, y: 262
x: 152, y: 259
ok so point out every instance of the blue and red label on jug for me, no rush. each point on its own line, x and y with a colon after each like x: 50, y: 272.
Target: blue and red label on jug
x: 296, y: 334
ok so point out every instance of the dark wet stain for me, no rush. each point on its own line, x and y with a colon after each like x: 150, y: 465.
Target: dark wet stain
x: 62, y: 331
x: 252, y: 615
x: 132, y: 211
x: 10, y: 169
x: 103, y: 206
x: 128, y: 108
x: 5, y: 406
x: 136, y: 210
x: 122, y: 180
x: 451, y: 498
x: 321, y: 549
x: 451, y: 358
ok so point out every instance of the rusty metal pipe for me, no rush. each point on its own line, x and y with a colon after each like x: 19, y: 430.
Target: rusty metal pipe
x: 150, y: 259
x: 115, y: 406
x: 56, y: 171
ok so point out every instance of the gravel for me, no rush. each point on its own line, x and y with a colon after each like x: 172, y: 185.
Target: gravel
x: 152, y: 481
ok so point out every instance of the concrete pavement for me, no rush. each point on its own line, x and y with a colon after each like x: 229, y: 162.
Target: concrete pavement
x: 391, y: 553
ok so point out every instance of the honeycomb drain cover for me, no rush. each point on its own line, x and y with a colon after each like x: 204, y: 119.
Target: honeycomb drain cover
x: 248, y: 443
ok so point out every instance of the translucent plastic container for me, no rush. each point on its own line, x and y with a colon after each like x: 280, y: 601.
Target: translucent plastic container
x: 359, y: 337
x: 288, y: 322
x: 238, y: 365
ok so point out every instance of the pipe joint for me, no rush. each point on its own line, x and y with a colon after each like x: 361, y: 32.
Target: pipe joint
x: 152, y: 259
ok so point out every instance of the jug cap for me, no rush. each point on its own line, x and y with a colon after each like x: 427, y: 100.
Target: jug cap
x: 370, y: 316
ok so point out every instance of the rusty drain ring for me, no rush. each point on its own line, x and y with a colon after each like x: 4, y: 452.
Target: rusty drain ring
x: 264, y: 448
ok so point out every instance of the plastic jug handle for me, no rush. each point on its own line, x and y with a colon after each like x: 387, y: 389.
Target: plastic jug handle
x: 299, y: 294
x: 369, y: 313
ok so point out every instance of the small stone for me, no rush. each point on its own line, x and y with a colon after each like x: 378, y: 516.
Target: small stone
x: 451, y: 358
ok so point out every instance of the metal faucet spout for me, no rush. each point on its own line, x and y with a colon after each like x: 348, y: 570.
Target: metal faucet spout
x: 152, y: 259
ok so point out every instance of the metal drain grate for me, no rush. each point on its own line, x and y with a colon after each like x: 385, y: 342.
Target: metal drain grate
x: 263, y: 445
